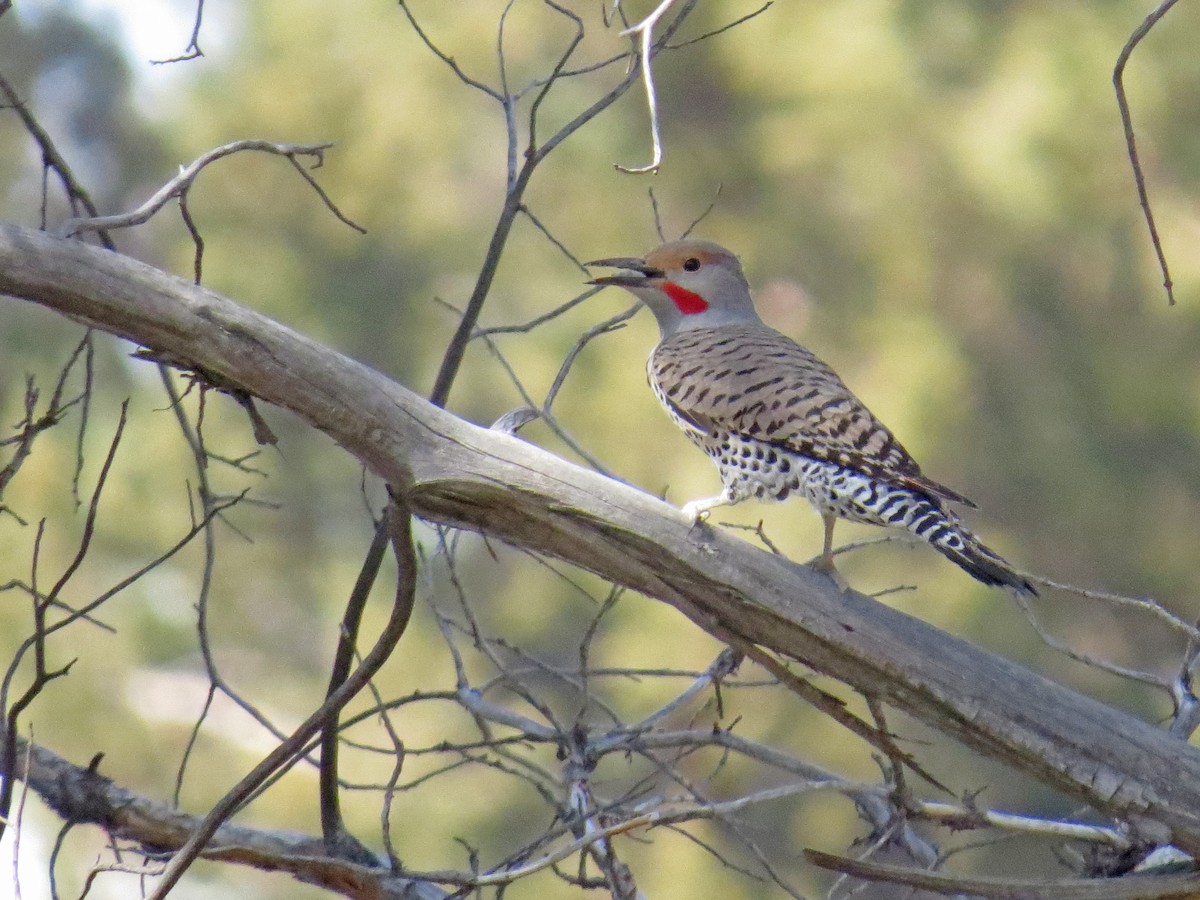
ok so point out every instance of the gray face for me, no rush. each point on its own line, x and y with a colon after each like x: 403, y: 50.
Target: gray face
x: 687, y: 285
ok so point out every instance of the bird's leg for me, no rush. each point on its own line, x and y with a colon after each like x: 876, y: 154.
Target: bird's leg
x: 697, y: 510
x: 825, y: 560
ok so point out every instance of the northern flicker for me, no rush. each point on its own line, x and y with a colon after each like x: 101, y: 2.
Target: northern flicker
x: 777, y: 420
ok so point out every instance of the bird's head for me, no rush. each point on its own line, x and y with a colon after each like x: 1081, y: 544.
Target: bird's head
x: 686, y: 284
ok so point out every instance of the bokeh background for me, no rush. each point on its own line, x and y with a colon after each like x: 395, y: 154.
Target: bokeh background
x: 935, y: 196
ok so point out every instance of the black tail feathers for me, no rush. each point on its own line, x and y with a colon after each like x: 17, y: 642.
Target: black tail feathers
x: 986, y: 566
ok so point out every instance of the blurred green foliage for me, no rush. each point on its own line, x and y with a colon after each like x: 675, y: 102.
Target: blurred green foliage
x: 935, y: 196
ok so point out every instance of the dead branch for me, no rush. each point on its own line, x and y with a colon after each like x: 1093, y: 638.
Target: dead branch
x: 1131, y: 142
x: 399, y: 524
x: 84, y: 796
x: 1129, y: 888
x: 179, y: 185
x: 455, y: 473
x: 643, y: 35
x: 192, y: 50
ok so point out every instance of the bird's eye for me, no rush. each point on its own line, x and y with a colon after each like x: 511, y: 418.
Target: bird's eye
x: 691, y: 264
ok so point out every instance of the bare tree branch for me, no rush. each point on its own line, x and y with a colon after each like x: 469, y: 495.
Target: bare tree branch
x: 180, y: 184
x: 536, y: 152
x: 338, y: 841
x: 192, y: 50
x: 84, y: 796
x: 458, y: 474
x: 77, y: 196
x: 1130, y: 141
x: 1130, y: 888
x: 42, y: 674
x: 399, y: 524
x: 643, y: 35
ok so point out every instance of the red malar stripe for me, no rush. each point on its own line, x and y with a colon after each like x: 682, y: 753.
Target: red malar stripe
x: 688, y: 303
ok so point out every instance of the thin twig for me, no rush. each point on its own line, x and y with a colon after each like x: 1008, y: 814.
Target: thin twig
x: 562, y: 248
x: 1103, y: 665
x: 965, y: 817
x: 1004, y: 888
x: 703, y: 215
x: 77, y: 195
x: 445, y: 57
x: 192, y: 50
x: 605, y: 327
x: 672, y: 814
x: 723, y: 28
x: 1149, y: 604
x: 832, y: 706
x: 643, y: 32
x: 42, y: 675
x: 337, y: 839
x: 511, y: 421
x: 1130, y: 141
x: 187, y: 175
x: 513, y: 201
x: 211, y: 507
x: 507, y: 101
x: 725, y: 663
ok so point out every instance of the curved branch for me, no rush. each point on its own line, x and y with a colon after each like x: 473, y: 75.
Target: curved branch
x: 179, y: 185
x: 457, y: 474
x: 1131, y: 142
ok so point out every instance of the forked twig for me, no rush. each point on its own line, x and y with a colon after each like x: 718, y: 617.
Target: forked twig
x: 181, y: 182
x: 192, y: 50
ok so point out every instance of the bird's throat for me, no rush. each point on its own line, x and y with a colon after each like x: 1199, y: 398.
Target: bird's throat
x: 686, y: 301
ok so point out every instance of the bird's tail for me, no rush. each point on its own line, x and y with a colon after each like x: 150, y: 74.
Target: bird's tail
x: 964, y: 549
x: 924, y: 513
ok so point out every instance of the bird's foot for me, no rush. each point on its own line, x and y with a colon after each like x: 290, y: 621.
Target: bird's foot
x: 698, y: 510
x: 824, y: 565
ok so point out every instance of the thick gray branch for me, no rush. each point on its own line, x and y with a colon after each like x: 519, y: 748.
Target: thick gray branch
x: 84, y: 796
x: 455, y: 473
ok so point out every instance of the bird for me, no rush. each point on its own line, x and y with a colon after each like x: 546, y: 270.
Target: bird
x: 777, y: 420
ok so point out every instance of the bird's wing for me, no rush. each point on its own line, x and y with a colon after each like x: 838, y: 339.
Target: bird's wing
x: 754, y: 381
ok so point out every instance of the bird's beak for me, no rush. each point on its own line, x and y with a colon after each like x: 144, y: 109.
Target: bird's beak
x: 626, y: 279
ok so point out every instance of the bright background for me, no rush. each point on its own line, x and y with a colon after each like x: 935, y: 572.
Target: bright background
x: 933, y: 195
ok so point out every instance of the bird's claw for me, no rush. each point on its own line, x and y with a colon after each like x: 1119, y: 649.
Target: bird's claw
x: 824, y: 565
x: 698, y: 510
